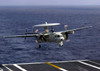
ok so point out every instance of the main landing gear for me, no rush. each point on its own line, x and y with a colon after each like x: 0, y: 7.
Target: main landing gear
x: 39, y: 46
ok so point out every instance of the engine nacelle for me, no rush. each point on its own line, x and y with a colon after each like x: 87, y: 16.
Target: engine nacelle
x: 71, y: 32
x: 66, y: 37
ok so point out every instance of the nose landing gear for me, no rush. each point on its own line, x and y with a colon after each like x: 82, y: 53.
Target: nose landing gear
x: 61, y: 44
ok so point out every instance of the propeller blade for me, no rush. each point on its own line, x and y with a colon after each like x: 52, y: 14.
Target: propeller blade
x: 26, y: 31
x: 24, y: 38
x: 68, y: 40
x: 66, y: 35
x: 52, y: 30
x: 36, y: 41
x: 65, y: 27
x: 36, y: 31
x: 73, y: 32
x: 42, y: 37
x: 32, y: 29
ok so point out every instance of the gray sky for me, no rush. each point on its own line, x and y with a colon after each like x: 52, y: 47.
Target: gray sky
x: 49, y: 2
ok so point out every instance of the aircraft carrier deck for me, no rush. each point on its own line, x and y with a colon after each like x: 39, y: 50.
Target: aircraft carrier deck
x: 75, y: 65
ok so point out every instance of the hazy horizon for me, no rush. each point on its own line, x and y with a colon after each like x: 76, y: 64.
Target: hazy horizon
x: 49, y: 3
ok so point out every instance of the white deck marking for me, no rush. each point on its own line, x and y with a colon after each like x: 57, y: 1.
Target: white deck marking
x: 67, y: 61
x: 63, y: 69
x: 89, y: 65
x: 94, y: 62
x: 19, y: 67
x: 7, y: 68
x: 26, y: 63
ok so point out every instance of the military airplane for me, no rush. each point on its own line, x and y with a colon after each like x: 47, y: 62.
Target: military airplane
x: 49, y: 35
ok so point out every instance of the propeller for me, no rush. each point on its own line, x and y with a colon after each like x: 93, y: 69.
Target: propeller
x: 41, y: 36
x: 73, y: 32
x: 36, y: 41
x: 52, y: 30
x: 65, y: 27
x: 36, y: 31
x: 25, y: 33
x: 68, y: 40
x: 32, y: 29
x: 66, y: 33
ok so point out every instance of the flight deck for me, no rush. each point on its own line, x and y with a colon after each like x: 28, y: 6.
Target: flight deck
x: 75, y: 65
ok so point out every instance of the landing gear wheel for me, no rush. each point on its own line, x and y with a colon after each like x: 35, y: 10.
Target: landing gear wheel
x: 39, y: 46
x: 61, y: 44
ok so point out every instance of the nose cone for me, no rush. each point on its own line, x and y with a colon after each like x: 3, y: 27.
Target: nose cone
x: 62, y: 38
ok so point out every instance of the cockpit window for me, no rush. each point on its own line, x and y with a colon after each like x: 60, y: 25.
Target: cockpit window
x: 57, y: 36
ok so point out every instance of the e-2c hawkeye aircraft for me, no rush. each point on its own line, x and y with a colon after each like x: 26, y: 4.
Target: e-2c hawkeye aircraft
x: 49, y: 35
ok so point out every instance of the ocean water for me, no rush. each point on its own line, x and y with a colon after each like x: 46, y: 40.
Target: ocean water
x: 84, y: 44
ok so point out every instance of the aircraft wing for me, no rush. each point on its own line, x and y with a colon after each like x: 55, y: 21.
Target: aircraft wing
x: 77, y: 29
x: 65, y: 33
x: 31, y: 35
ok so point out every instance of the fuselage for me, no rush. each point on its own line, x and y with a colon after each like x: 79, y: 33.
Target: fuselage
x: 51, y: 37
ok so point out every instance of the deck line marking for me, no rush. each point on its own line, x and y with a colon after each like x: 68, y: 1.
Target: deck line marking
x: 67, y: 61
x: 94, y: 62
x: 56, y: 66
x: 8, y: 68
x: 26, y: 63
x: 89, y: 65
x: 19, y: 67
x: 31, y: 63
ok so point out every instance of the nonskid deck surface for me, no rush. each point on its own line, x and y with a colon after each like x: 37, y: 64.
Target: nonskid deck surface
x: 77, y: 65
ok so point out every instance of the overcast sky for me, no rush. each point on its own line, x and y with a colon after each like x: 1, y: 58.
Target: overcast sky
x: 49, y: 2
